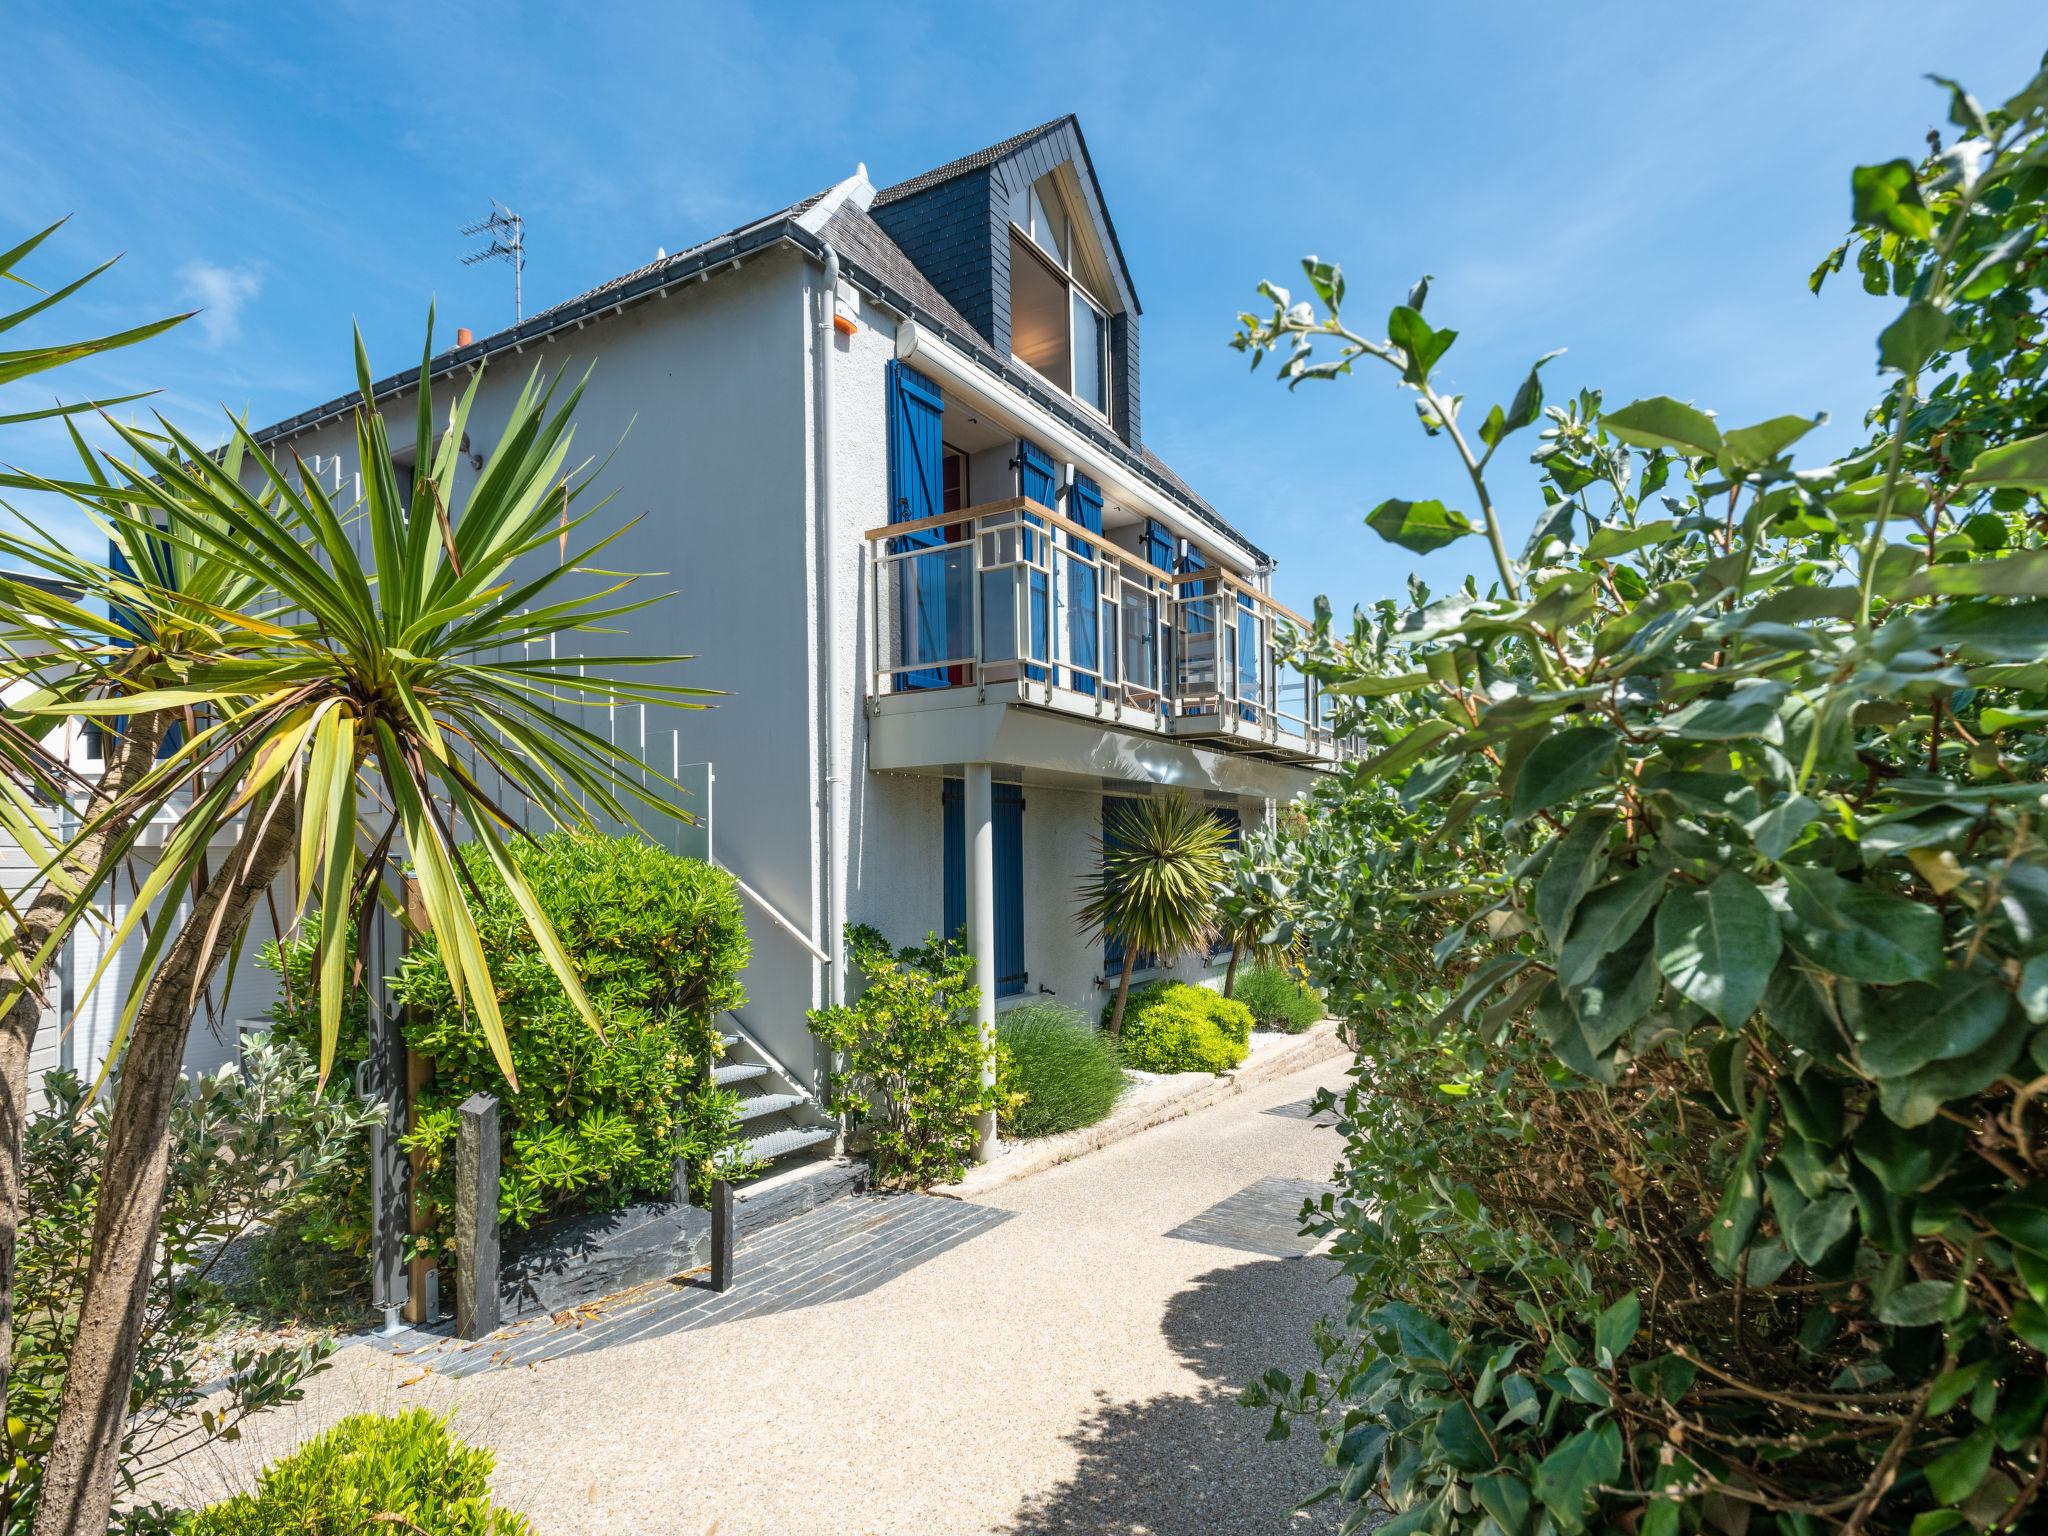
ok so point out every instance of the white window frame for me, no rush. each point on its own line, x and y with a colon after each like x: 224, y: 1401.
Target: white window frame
x: 1073, y: 286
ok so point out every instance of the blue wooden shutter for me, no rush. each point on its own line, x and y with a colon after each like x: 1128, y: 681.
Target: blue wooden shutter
x: 917, y: 491
x: 1084, y: 614
x: 1007, y: 817
x: 1158, y: 546
x: 1035, y: 483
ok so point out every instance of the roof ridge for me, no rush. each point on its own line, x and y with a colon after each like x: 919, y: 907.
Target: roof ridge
x: 972, y: 161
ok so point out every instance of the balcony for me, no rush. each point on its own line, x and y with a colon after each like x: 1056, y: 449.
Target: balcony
x: 1012, y: 603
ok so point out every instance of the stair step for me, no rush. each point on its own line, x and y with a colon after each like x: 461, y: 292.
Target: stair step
x: 768, y: 1104
x: 781, y: 1143
x: 737, y: 1072
x: 728, y: 1041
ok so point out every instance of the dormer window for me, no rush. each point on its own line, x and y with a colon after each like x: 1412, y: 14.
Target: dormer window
x: 1057, y: 327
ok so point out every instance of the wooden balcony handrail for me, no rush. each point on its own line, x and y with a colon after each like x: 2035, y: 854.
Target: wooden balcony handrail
x: 1056, y: 520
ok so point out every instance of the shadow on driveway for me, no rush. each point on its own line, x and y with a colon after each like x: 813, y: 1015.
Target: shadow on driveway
x: 1200, y: 1465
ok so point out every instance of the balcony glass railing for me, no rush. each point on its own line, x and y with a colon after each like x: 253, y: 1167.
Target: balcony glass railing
x: 1012, y: 592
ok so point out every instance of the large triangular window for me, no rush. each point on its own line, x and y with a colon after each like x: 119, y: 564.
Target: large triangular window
x: 1059, y: 328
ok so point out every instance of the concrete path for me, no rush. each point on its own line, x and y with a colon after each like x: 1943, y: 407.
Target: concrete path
x: 1069, y: 1366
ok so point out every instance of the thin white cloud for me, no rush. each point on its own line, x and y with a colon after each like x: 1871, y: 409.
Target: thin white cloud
x: 220, y: 293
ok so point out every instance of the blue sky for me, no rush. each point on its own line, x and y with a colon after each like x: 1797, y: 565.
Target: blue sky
x: 1644, y: 184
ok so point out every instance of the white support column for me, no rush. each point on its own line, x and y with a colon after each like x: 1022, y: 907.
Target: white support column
x: 979, y: 825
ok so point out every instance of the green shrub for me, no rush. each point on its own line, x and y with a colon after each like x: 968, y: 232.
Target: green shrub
x: 1279, y: 1000
x: 1693, y: 918
x: 247, y: 1144
x: 597, y: 1122
x: 1171, y: 1026
x: 913, y: 1057
x: 1059, y: 1072
x: 370, y: 1472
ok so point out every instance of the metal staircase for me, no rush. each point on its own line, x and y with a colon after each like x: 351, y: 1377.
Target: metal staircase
x: 784, y: 1122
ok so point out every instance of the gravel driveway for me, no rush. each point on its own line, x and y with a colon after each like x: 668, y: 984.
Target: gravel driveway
x: 1072, y: 1369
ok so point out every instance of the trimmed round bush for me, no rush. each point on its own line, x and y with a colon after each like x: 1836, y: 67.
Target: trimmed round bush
x: 403, y: 1472
x: 1279, y: 1000
x: 1060, y: 1073
x: 1170, y: 1026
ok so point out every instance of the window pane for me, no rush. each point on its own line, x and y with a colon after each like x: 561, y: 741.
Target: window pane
x: 1091, y: 370
x: 1048, y: 222
x: 1038, y: 315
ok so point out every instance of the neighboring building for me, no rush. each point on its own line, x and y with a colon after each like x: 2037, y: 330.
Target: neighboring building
x: 916, y: 536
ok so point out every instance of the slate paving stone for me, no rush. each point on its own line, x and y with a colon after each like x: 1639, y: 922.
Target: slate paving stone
x: 846, y: 1248
x: 1303, y: 1109
x: 1260, y: 1218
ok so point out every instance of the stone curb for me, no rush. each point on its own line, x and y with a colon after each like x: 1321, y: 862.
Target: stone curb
x: 1314, y: 1046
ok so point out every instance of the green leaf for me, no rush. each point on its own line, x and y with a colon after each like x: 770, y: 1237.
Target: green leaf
x: 1421, y: 1337
x: 1607, y: 542
x: 1954, y: 1475
x: 1887, y: 197
x: 1951, y: 1387
x: 1918, y: 1305
x: 1412, y: 334
x: 1528, y: 405
x: 1750, y: 711
x: 1378, y: 686
x: 1750, y: 448
x: 2024, y: 574
x: 2021, y: 1218
x: 1898, y: 1031
x: 1606, y: 920
x: 1661, y: 422
x: 1418, y: 526
x: 1568, y: 1476
x: 1575, y: 862
x: 1462, y: 1435
x: 1859, y: 932
x: 1780, y: 827
x: 1717, y: 946
x: 1908, y: 342
x: 1821, y: 1225
x: 1407, y: 750
x: 1615, y: 1329
x: 1987, y: 631
x: 2023, y: 463
x: 1561, y: 765
x: 2033, y: 991
x: 1741, y: 1208
x: 1505, y: 1497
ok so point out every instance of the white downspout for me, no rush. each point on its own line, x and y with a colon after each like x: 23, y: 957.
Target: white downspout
x: 828, y: 586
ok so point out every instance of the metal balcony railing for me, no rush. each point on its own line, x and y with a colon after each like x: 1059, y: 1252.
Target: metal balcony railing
x: 1013, y: 592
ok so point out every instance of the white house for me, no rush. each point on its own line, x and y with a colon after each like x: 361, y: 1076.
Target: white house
x: 885, y: 444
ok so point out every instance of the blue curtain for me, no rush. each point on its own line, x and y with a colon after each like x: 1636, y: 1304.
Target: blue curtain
x: 1084, y: 615
x: 917, y: 491
x: 1035, y: 483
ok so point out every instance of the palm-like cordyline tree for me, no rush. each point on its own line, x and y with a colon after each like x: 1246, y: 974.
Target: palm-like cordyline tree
x: 1154, y: 888
x: 33, y: 929
x: 362, y: 708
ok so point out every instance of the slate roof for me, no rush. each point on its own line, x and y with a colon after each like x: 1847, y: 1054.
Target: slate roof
x: 966, y: 163
x: 860, y: 240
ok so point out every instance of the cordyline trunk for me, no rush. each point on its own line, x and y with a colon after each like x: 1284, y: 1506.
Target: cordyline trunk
x: 85, y: 1449
x: 1123, y: 990
x: 1230, y: 975
x: 128, y: 761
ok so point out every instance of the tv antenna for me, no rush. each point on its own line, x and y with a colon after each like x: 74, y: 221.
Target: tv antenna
x: 508, y: 243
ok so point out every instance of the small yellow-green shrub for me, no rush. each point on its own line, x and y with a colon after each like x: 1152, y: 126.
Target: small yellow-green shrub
x: 1170, y: 1026
x: 370, y: 1472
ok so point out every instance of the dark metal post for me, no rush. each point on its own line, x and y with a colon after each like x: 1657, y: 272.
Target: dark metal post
x: 476, y: 1217
x: 382, y: 1079
x: 721, y: 1234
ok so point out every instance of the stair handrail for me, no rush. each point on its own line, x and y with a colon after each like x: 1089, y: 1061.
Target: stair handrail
x: 780, y: 921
